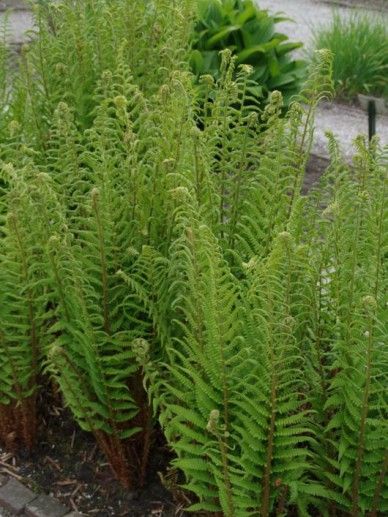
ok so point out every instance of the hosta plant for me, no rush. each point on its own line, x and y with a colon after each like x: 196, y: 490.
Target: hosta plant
x: 250, y: 33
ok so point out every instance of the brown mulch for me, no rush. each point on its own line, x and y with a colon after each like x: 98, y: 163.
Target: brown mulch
x: 67, y: 465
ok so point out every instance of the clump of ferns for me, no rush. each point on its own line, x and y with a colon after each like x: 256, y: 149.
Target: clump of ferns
x: 216, y: 365
x: 25, y: 301
x: 85, y: 361
x: 257, y: 160
x: 229, y: 130
x: 73, y: 45
x: 92, y: 343
x: 299, y: 278
x: 104, y: 239
x: 189, y: 255
x: 347, y: 336
x: 89, y: 304
x: 275, y: 183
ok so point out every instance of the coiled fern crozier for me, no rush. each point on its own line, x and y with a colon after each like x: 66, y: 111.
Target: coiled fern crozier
x: 161, y: 266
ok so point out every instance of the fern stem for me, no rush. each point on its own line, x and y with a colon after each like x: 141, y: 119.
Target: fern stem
x: 236, y: 199
x: 144, y: 420
x: 223, y: 171
x: 265, y: 501
x: 318, y: 339
x: 355, y: 256
x: 198, y: 174
x: 223, y: 444
x: 26, y: 420
x: 31, y: 312
x: 103, y: 262
x: 228, y: 484
x: 112, y: 446
x: 265, y: 498
x: 380, y: 242
x: 32, y: 103
x: 298, y: 165
x: 59, y: 285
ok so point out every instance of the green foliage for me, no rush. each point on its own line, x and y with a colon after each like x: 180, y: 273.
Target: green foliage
x: 269, y: 397
x: 352, y: 282
x: 68, y: 233
x: 155, y: 271
x: 21, y: 313
x: 250, y: 33
x: 360, y: 47
x: 84, y: 40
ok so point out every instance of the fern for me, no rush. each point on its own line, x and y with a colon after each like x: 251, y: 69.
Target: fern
x: 24, y: 302
x: 201, y: 368
x: 355, y: 282
x: 160, y: 263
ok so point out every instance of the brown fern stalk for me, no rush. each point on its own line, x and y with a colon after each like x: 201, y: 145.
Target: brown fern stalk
x: 116, y: 454
x: 27, y: 408
x: 144, y: 420
x: 111, y: 445
x: 265, y: 500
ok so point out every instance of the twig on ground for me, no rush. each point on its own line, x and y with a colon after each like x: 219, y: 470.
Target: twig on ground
x: 11, y: 473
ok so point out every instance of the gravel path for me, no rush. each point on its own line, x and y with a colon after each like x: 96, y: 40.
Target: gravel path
x: 308, y: 14
x: 344, y: 121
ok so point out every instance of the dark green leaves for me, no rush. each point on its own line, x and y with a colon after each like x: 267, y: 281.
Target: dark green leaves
x: 251, y: 35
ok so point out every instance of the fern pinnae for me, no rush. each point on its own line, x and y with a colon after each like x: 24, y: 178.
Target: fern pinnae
x: 318, y: 87
x: 360, y: 369
x: 197, y: 336
x: 91, y: 386
x: 103, y: 261
x: 269, y: 298
x: 24, y: 294
x: 379, y: 486
x: 238, y: 181
x: 370, y: 307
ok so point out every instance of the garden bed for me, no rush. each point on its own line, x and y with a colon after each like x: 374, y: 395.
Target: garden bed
x: 67, y: 465
x: 160, y: 268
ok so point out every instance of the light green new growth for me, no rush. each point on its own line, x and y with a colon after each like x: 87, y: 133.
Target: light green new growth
x: 160, y: 265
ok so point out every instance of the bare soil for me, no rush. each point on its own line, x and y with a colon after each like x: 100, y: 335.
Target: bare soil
x: 67, y: 465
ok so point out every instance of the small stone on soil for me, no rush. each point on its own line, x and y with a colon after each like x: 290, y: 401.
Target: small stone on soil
x: 14, y: 496
x: 45, y: 506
